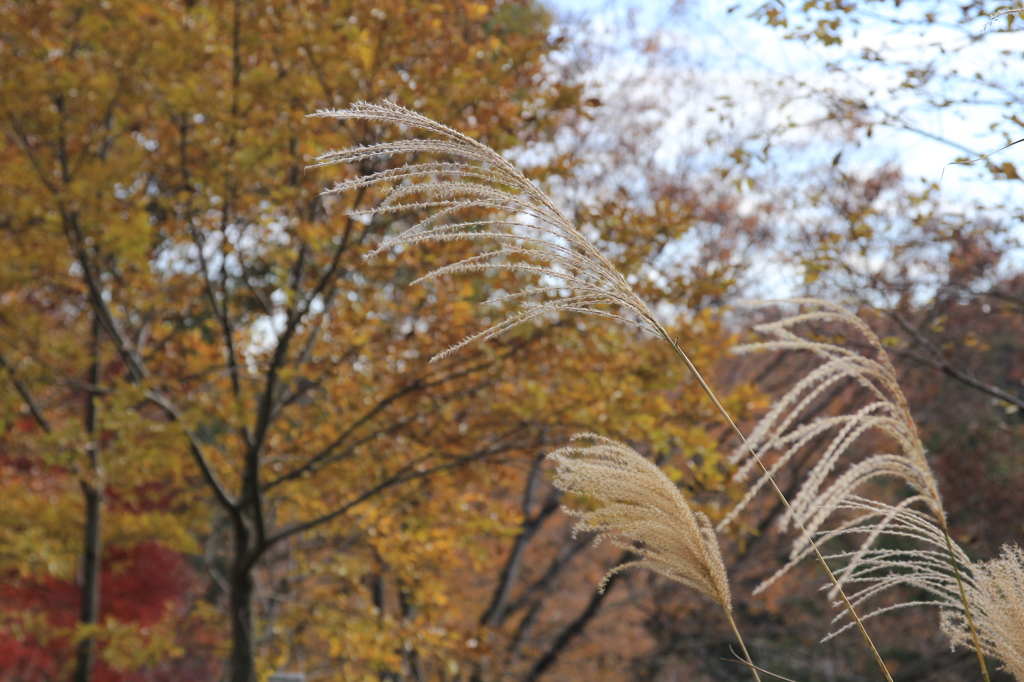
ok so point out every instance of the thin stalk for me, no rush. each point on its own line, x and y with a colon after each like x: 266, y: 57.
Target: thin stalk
x: 746, y: 655
x: 782, y: 498
x: 967, y: 607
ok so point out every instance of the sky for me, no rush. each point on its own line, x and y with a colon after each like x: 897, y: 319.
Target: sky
x: 733, y: 47
x: 727, y: 51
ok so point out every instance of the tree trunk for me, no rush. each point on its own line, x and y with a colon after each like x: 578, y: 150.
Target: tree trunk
x: 92, y: 488
x: 241, y: 667
x: 91, y: 581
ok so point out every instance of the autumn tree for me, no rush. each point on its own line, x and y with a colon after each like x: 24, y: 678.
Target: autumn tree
x: 159, y: 209
x: 939, y: 257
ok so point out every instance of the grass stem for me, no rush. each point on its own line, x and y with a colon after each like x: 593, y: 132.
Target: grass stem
x: 743, y: 647
x: 967, y: 607
x: 782, y: 498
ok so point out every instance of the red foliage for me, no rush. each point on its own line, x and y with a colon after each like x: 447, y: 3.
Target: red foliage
x: 140, y: 585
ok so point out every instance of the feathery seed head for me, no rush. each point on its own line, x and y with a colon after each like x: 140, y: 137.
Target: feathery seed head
x: 642, y: 511
x: 788, y: 430
x: 827, y: 503
x: 996, y: 595
x: 917, y: 556
x: 535, y: 237
x: 920, y: 554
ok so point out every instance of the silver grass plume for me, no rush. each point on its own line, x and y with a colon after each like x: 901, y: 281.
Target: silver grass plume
x: 925, y: 566
x: 937, y: 565
x: 786, y: 430
x: 994, y: 589
x: 643, y: 511
x: 534, y: 236
x: 997, y: 601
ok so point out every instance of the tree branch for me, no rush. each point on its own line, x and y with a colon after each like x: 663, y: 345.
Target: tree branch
x: 221, y: 312
x: 575, y: 628
x: 20, y: 139
x: 135, y: 364
x: 221, y: 493
x: 327, y: 452
x: 26, y: 395
x: 403, y: 475
x: 566, y: 554
x: 939, y: 362
x: 496, y: 610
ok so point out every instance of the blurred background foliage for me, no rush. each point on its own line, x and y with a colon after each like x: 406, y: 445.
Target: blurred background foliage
x: 223, y: 451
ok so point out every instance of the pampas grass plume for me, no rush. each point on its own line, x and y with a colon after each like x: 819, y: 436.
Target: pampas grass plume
x: 642, y: 510
x: 997, y: 599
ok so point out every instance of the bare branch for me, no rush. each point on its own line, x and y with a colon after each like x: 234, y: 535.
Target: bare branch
x: 939, y: 362
x: 497, y: 609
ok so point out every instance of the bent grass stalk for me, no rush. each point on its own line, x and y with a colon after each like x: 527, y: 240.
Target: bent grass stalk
x: 537, y: 240
x: 785, y: 503
x: 967, y: 606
